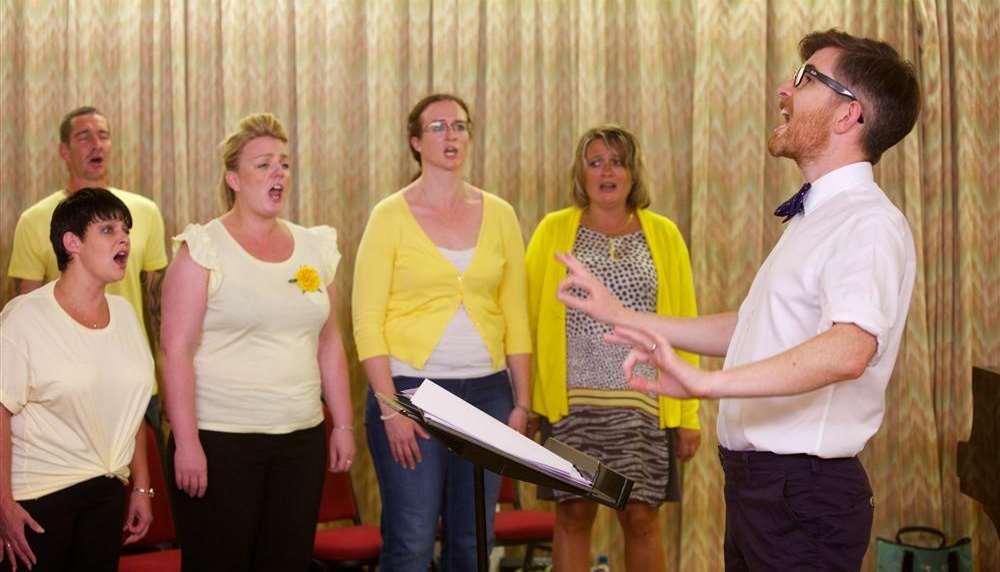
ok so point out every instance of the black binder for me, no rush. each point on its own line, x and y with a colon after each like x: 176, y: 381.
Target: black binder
x: 607, y: 486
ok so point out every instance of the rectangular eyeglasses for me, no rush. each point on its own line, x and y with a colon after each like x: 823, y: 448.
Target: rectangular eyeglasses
x: 827, y: 81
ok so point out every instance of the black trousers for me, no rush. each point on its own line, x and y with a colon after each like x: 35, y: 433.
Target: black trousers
x: 83, y: 527
x: 260, y: 509
x: 795, y: 512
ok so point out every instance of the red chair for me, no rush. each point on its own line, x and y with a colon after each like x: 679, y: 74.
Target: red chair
x: 156, y: 561
x: 353, y: 545
x: 513, y: 527
x: 159, y: 542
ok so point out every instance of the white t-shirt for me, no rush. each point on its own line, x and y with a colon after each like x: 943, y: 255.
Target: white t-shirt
x: 77, y: 394
x: 849, y: 259
x: 257, y: 366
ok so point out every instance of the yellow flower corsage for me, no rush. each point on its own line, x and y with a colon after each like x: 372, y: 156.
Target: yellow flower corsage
x: 307, y: 279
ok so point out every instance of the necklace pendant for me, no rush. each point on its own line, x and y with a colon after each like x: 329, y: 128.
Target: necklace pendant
x: 612, y: 251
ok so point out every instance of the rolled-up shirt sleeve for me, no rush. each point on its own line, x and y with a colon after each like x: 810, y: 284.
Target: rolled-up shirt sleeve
x: 863, y: 283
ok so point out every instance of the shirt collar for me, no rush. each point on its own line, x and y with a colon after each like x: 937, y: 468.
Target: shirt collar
x: 836, y: 181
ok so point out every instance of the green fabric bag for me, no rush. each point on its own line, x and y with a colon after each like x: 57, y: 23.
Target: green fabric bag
x: 899, y: 556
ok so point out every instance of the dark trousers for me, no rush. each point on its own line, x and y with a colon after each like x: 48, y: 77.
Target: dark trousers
x: 795, y: 512
x: 260, y: 509
x: 83, y: 527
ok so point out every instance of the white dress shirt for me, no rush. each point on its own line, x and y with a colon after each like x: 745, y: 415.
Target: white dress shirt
x: 849, y: 258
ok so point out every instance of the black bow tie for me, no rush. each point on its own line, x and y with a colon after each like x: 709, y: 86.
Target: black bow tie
x: 794, y: 205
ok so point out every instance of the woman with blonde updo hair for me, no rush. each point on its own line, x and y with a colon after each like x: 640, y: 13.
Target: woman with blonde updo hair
x: 250, y: 351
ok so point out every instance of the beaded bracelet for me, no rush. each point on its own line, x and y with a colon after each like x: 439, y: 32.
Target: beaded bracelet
x: 388, y: 417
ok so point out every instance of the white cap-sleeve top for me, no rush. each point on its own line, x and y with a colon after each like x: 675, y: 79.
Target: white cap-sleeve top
x: 257, y: 368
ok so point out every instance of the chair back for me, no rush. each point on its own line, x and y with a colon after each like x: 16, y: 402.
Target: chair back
x: 509, y: 493
x: 532, y: 528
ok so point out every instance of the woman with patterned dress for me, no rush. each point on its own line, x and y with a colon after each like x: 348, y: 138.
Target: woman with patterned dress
x: 439, y: 294
x: 580, y: 387
x: 250, y: 346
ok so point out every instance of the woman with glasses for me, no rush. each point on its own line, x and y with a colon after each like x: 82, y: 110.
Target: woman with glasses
x: 251, y: 350
x: 439, y: 293
x: 580, y: 387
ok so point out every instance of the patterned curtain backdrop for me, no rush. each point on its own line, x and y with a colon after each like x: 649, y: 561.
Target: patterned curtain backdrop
x: 695, y: 79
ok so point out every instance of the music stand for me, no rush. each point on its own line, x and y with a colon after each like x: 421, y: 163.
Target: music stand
x: 608, y: 487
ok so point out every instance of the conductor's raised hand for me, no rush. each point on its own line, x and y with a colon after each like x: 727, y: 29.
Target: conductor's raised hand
x: 677, y: 378
x: 590, y: 295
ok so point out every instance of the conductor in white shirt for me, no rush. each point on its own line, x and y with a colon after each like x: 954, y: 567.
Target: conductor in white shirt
x: 812, y: 347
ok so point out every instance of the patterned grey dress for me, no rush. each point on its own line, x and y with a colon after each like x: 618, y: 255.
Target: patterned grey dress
x: 607, y: 419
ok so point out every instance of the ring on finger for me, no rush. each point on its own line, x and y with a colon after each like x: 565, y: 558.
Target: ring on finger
x: 652, y: 347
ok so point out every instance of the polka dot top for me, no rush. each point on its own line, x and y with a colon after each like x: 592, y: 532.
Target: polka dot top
x: 624, y: 265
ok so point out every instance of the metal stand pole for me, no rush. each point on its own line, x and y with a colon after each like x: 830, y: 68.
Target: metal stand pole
x: 484, y: 564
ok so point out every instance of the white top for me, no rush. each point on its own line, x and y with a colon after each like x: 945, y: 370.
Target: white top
x: 461, y: 352
x: 257, y: 367
x: 77, y: 394
x: 849, y: 258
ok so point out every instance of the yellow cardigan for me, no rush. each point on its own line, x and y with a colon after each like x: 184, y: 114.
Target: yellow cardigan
x: 405, y: 291
x: 675, y: 297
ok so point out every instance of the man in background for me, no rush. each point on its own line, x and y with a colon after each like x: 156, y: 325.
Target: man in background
x: 85, y: 147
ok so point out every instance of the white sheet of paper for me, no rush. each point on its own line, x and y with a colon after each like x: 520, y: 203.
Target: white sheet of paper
x: 452, y: 411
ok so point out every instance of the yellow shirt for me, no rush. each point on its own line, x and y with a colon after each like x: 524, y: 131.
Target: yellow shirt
x: 674, y: 297
x: 257, y: 365
x: 406, y: 291
x: 77, y: 395
x: 32, y: 257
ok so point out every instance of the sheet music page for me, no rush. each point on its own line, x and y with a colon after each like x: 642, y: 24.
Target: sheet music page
x: 452, y: 411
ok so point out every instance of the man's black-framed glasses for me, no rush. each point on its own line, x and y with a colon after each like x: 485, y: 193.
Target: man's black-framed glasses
x: 828, y: 81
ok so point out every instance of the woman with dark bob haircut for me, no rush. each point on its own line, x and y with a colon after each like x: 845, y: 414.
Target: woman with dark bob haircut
x: 439, y: 294
x: 77, y: 375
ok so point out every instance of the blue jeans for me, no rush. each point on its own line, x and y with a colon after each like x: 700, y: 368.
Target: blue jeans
x: 440, y: 486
